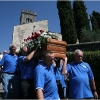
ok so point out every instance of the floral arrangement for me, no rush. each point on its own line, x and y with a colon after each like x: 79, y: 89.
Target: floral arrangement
x: 37, y: 38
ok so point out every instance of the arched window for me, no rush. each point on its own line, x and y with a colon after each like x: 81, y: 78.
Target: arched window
x: 28, y: 20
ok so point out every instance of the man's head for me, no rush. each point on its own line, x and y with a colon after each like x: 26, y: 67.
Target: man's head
x: 5, y: 52
x: 78, y: 55
x: 48, y: 57
x: 24, y: 50
x: 12, y: 48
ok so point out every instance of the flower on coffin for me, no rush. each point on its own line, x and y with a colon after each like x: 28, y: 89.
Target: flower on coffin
x: 37, y: 38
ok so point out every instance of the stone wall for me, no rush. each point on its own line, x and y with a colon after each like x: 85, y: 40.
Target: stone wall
x: 89, y: 46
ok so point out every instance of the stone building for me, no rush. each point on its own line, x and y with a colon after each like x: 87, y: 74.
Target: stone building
x: 27, y: 17
x: 28, y: 24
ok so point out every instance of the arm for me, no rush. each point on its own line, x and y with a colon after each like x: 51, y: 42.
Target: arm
x: 0, y: 68
x: 29, y: 57
x: 39, y: 82
x: 54, y: 63
x: 92, y: 82
x: 39, y: 94
x: 93, y: 86
x: 64, y: 66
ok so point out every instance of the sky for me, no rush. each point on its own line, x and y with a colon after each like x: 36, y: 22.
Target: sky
x: 10, y: 12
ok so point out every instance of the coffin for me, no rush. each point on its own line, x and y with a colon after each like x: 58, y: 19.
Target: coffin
x: 56, y: 46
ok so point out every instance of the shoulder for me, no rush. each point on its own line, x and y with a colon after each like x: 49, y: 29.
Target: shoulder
x: 85, y: 63
x: 20, y: 58
x: 5, y: 55
x: 70, y: 64
x: 39, y: 68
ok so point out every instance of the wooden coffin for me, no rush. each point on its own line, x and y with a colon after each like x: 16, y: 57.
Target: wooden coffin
x: 56, y: 46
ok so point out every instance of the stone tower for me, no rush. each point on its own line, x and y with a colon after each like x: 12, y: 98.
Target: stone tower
x: 27, y: 17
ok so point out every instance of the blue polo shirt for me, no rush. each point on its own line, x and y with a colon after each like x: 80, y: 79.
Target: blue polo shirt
x: 26, y: 68
x: 9, y: 63
x: 45, y: 79
x: 79, y: 76
x: 59, y: 75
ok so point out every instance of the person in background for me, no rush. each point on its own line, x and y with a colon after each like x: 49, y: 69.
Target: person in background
x: 9, y: 73
x: 5, y: 52
x: 27, y: 64
x: 44, y: 77
x: 60, y: 78
x: 1, y: 55
x: 81, y: 78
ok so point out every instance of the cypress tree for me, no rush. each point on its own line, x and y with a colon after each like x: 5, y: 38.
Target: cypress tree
x: 96, y: 15
x: 81, y: 17
x: 67, y: 23
x: 94, y: 23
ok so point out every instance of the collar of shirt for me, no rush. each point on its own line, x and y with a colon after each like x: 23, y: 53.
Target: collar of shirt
x: 13, y: 55
x: 77, y: 63
x: 45, y: 66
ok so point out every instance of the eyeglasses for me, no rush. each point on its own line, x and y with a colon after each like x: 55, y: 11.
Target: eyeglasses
x: 80, y: 56
x: 13, y: 49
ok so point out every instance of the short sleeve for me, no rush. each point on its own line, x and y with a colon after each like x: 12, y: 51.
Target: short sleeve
x: 21, y: 59
x: 90, y: 73
x: 38, y: 78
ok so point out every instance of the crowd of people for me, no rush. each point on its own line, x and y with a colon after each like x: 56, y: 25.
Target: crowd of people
x: 46, y: 78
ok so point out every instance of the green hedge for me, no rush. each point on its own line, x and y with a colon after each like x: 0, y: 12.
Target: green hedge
x: 93, y: 58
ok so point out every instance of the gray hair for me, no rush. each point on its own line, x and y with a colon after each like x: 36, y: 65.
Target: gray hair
x: 12, y: 45
x: 77, y: 51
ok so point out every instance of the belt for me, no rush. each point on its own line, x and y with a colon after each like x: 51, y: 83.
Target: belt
x: 8, y: 73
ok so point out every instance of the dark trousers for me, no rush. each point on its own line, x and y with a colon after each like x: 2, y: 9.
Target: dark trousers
x: 61, y: 91
x: 27, y: 89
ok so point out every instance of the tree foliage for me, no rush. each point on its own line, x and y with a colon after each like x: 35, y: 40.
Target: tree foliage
x: 67, y: 23
x: 96, y: 16
x: 94, y: 23
x: 81, y: 17
x: 90, y: 36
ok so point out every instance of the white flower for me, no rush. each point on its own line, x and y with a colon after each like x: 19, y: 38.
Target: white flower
x: 47, y: 36
x: 50, y: 33
x: 43, y: 34
x: 37, y: 38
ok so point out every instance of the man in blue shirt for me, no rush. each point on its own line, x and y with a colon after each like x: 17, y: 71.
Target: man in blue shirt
x: 44, y: 80
x: 27, y: 65
x: 81, y: 78
x: 9, y: 73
